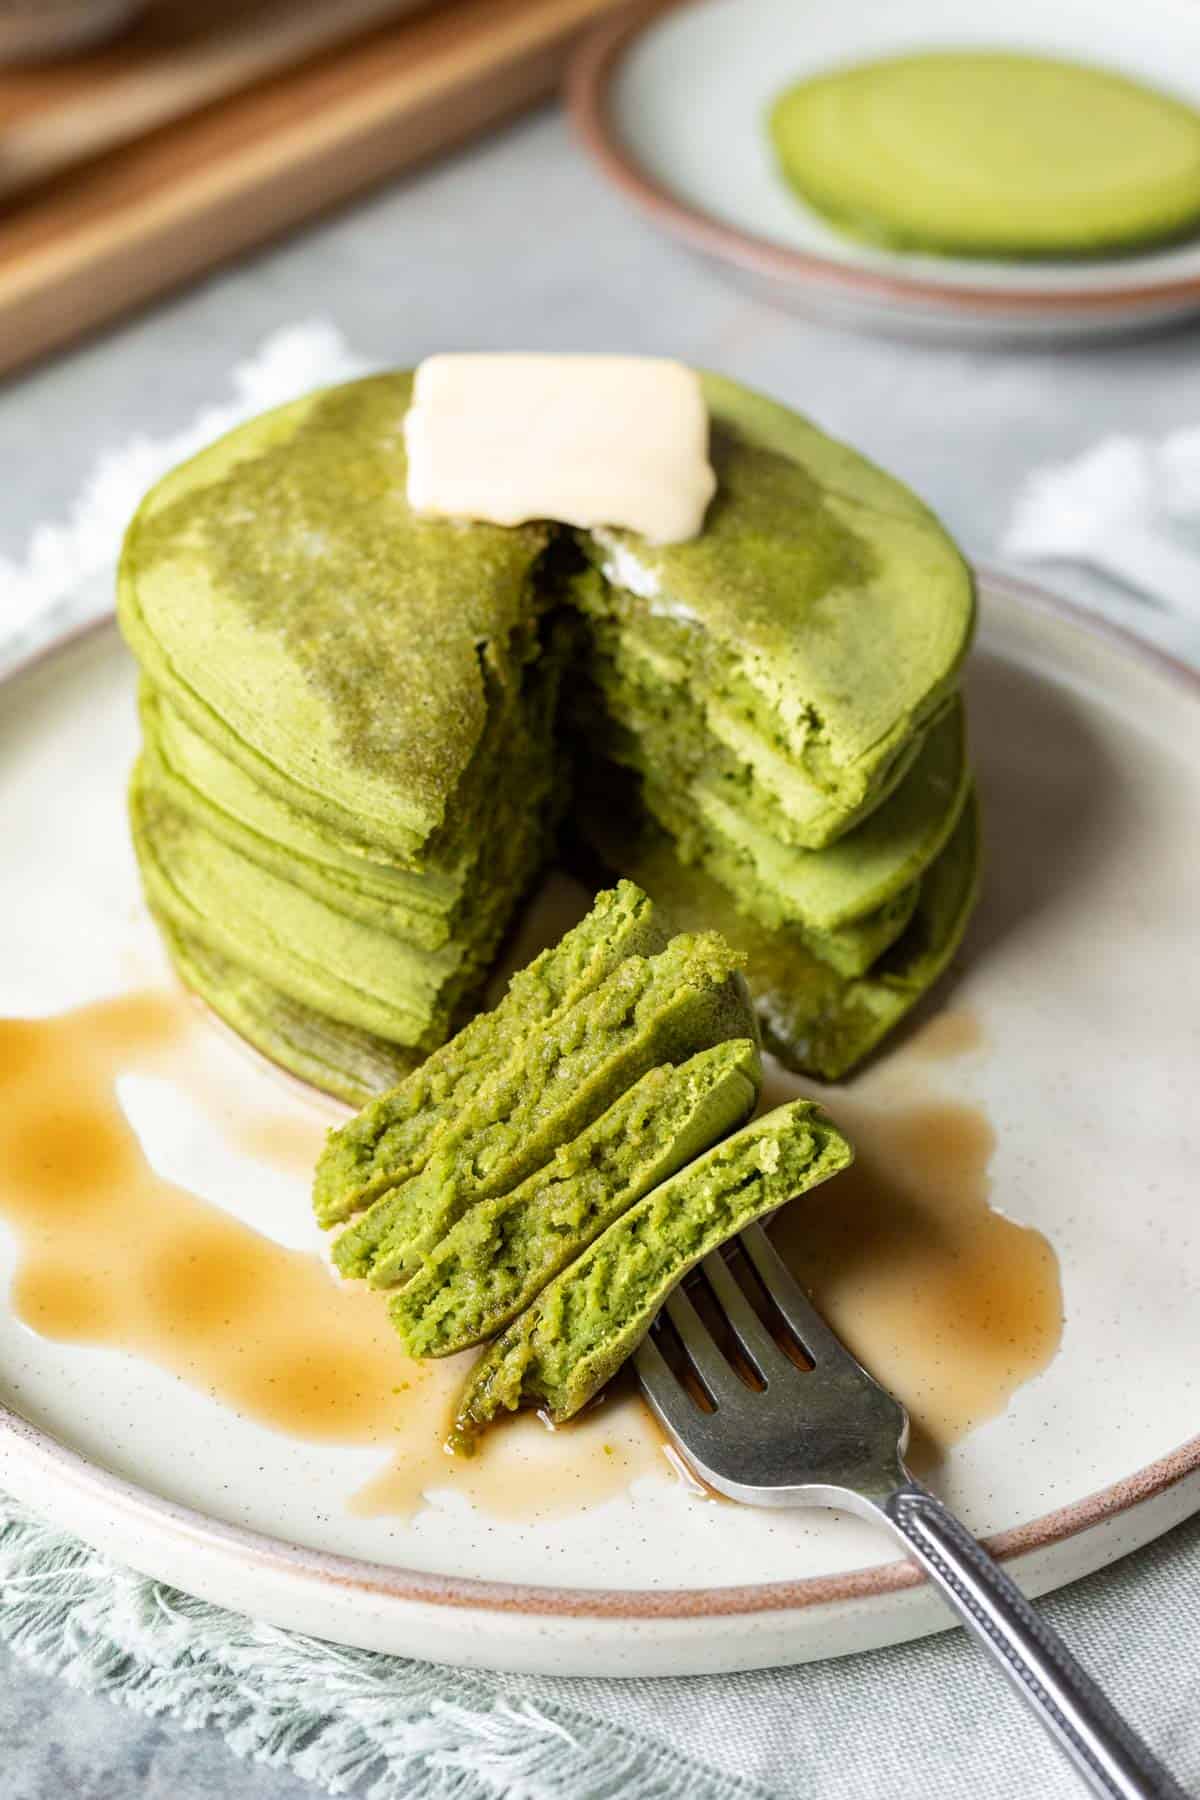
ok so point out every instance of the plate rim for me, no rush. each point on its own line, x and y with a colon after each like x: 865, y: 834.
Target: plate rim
x: 43, y: 1453
x: 590, y: 73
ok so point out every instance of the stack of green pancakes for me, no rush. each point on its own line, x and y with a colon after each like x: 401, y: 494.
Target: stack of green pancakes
x: 544, y: 1179
x: 362, y: 730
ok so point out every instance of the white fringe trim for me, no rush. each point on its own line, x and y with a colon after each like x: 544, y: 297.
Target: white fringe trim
x: 377, y: 1727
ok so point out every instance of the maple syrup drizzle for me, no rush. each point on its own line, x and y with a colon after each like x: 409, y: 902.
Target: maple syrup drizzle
x: 954, y: 1304
x: 112, y: 1253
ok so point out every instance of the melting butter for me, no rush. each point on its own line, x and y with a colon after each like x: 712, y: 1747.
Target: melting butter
x: 583, y: 440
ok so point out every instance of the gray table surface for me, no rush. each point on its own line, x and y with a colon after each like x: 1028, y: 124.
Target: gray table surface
x: 517, y: 244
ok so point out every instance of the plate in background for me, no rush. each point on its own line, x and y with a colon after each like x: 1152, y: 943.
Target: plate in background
x: 1088, y: 749
x: 671, y: 100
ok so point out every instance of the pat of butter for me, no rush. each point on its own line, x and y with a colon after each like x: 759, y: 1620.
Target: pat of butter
x: 585, y: 440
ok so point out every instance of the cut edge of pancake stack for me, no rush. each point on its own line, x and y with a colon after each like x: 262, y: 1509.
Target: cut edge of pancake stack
x: 798, y: 777
x: 351, y: 774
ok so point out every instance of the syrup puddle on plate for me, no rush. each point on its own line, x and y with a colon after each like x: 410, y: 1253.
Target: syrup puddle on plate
x: 951, y: 1302
x: 954, y: 1305
x: 111, y: 1253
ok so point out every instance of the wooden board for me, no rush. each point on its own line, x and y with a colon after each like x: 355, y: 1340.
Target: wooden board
x: 114, y: 229
x: 177, y: 56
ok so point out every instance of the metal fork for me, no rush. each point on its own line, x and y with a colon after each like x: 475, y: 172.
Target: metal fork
x: 832, y: 1436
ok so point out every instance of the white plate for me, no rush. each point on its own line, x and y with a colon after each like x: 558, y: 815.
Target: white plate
x: 1080, y: 972
x: 672, y: 100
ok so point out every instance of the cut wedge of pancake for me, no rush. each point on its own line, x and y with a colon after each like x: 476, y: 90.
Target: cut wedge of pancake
x: 565, y: 1073
x: 393, y: 1137
x: 502, y: 1252
x: 588, y: 1319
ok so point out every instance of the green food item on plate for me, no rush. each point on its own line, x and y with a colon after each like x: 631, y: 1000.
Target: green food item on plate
x: 339, y: 1060
x: 449, y: 899
x: 391, y: 1139
x: 643, y: 713
x: 849, y: 881
x: 327, y: 960
x: 352, y: 766
x: 279, y: 591
x: 590, y: 1317
x: 991, y: 153
x: 503, y: 1251
x: 814, y: 1020
x: 566, y: 1072
x: 818, y: 621
x: 361, y: 732
x: 850, y: 947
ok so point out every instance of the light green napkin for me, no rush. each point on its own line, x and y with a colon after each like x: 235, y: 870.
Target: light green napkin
x: 925, y: 1721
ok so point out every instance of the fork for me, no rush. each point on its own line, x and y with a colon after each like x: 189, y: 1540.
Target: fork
x: 820, y: 1431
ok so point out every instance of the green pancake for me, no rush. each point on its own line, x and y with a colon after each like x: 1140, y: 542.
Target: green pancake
x: 989, y: 153
x: 850, y: 948
x: 392, y: 1138
x: 278, y: 591
x: 824, y: 891
x: 567, y: 1072
x: 821, y: 615
x: 814, y: 1020
x: 326, y: 960
x: 350, y: 1064
x: 588, y: 1319
x: 849, y: 902
x: 450, y: 899
x: 501, y: 1253
x: 281, y: 594
x: 641, y: 712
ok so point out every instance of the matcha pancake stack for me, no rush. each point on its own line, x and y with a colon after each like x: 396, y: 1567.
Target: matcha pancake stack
x: 348, y: 776
x: 546, y: 1177
x: 361, y: 726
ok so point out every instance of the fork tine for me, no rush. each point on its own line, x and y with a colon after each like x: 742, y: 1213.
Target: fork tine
x: 818, y: 1340
x: 670, y: 1399
x: 745, y: 1323
x: 708, y: 1359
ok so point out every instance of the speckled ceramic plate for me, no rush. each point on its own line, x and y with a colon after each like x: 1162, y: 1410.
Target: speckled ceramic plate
x: 1078, y: 975
x: 670, y: 100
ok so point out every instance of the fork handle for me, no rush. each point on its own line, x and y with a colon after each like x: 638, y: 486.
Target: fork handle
x: 1111, y: 1758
